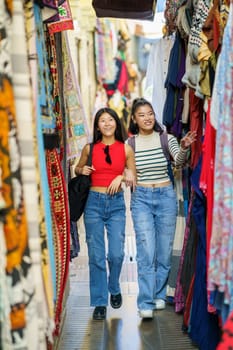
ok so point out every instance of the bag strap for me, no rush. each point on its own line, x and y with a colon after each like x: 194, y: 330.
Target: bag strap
x: 89, y: 159
x: 164, y: 144
x: 131, y: 142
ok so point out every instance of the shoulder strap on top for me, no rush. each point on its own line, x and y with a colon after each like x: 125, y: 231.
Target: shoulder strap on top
x: 89, y: 159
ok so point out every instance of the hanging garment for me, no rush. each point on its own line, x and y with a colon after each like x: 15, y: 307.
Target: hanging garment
x: 221, y: 245
x: 77, y: 132
x: 179, y: 234
x: 182, y: 284
x: 134, y: 9
x: 196, y: 115
x: 156, y: 74
x: 45, y: 119
x: 173, y: 105
x: 204, y: 326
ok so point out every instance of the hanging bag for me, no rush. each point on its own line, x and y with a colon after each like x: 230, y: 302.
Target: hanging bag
x: 78, y: 189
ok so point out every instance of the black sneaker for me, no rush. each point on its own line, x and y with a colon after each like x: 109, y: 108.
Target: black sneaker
x: 116, y: 301
x: 99, y: 313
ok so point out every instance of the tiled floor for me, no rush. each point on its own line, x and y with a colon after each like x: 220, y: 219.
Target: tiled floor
x: 123, y: 329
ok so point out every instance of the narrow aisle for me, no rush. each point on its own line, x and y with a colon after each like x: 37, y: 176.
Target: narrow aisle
x: 123, y: 329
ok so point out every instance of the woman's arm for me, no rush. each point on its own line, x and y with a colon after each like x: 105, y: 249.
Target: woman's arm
x: 130, y: 176
x: 179, y: 153
x: 81, y: 168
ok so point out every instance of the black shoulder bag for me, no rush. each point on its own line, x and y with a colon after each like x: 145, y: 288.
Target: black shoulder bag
x: 78, y: 189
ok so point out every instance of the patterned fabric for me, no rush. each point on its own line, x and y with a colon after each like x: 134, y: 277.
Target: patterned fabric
x: 34, y: 197
x: 61, y: 237
x: 23, y: 102
x: 200, y: 15
x: 221, y: 246
x: 42, y: 120
x: 170, y: 14
x: 62, y: 20
x: 18, y: 261
x: 5, y: 329
x: 76, y: 122
x: 53, y: 64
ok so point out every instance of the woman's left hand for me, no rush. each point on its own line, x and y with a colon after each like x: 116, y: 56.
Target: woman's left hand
x: 115, y: 185
x: 188, y: 139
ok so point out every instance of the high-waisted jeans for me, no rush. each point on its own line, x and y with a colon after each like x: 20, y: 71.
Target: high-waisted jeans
x: 104, y: 211
x: 154, y: 212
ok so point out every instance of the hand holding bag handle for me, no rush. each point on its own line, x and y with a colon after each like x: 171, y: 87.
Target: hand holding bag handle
x: 78, y: 189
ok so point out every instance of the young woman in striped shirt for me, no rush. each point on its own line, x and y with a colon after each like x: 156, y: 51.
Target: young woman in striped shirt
x: 153, y: 204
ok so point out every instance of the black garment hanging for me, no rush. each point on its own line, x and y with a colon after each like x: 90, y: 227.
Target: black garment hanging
x: 133, y: 9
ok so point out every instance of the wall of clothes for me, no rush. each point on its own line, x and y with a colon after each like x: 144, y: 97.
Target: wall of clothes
x: 193, y: 84
x: 43, y: 127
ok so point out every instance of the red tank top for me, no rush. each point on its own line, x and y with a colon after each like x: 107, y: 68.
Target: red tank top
x: 104, y: 173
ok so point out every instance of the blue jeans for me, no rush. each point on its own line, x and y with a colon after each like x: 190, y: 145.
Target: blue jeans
x: 154, y: 213
x: 104, y: 211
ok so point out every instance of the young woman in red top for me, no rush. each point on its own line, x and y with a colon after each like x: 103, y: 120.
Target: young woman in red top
x: 105, y: 208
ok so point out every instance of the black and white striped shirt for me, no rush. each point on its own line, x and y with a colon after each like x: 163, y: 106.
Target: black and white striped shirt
x: 151, y: 164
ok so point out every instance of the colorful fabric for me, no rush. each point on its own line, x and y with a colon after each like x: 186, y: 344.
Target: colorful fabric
x: 44, y: 120
x: 207, y: 175
x: 23, y: 103
x: 62, y: 20
x: 170, y: 14
x: 5, y: 329
x: 34, y: 195
x: 53, y: 65
x: 221, y: 245
x: 226, y: 342
x: 61, y: 236
x: 18, y: 261
x: 76, y: 122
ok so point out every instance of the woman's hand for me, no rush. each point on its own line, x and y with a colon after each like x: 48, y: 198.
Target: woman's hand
x: 188, y: 139
x: 130, y: 179
x: 115, y: 185
x: 85, y: 170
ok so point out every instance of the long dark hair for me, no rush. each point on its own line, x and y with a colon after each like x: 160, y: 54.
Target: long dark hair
x: 97, y: 136
x: 133, y: 127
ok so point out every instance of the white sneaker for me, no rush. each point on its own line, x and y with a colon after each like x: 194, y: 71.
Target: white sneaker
x: 160, y: 304
x: 146, y: 313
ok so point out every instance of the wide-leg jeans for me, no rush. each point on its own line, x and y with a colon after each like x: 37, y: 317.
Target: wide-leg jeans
x: 104, y: 213
x: 154, y: 212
